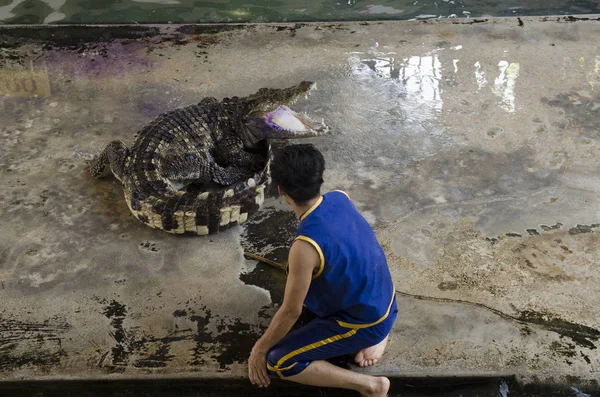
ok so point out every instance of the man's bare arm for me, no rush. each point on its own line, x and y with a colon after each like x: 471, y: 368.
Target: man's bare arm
x: 303, y: 259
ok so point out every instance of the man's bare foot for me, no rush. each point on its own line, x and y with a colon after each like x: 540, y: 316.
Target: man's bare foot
x: 378, y: 388
x: 371, y: 355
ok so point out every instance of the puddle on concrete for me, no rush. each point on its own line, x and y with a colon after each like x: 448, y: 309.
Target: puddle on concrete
x: 269, y: 234
x: 264, y: 276
x: 410, y: 88
x: 418, y: 77
x: 420, y: 80
x: 504, y: 84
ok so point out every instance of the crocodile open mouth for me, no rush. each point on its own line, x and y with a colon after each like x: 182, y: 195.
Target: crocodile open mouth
x: 285, y: 119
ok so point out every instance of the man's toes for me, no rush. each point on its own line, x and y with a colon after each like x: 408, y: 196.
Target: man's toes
x: 360, y: 356
x: 369, y: 362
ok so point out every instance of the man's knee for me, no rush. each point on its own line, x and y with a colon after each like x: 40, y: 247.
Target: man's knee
x: 283, y: 369
x: 273, y: 356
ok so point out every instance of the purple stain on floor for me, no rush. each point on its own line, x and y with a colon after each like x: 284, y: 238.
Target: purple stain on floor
x: 151, y: 109
x: 103, y: 61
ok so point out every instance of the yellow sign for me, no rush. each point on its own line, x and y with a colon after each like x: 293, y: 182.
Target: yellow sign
x: 24, y: 84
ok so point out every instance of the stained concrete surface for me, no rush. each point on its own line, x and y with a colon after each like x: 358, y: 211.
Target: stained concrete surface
x: 470, y: 145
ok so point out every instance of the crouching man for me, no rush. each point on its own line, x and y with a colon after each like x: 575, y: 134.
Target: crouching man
x: 338, y: 271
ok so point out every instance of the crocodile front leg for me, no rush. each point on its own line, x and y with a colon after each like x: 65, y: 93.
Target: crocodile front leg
x: 184, y: 168
x: 113, y: 156
x: 230, y: 152
x: 228, y: 175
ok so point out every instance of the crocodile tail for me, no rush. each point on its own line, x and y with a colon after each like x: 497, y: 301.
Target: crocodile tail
x: 113, y: 157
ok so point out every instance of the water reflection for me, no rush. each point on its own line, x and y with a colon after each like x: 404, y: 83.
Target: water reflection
x: 421, y: 76
x: 504, y: 84
x: 480, y: 76
x: 389, y: 105
x: 394, y: 99
x: 418, y: 77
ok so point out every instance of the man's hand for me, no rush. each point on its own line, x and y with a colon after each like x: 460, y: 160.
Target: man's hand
x: 257, y: 367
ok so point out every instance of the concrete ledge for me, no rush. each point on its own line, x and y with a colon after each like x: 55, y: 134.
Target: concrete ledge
x: 401, y: 386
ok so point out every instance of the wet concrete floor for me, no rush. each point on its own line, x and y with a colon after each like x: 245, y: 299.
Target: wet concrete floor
x: 470, y: 145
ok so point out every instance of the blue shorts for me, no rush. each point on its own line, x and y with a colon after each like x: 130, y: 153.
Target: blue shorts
x: 322, y: 339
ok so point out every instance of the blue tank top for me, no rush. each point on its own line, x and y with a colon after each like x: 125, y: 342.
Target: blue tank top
x: 353, y: 283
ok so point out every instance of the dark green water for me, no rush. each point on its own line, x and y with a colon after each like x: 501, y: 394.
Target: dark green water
x: 195, y: 11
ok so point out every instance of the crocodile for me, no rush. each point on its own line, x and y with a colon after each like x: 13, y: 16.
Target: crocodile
x: 204, y: 168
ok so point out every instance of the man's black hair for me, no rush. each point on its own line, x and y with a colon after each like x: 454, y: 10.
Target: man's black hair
x: 298, y: 170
